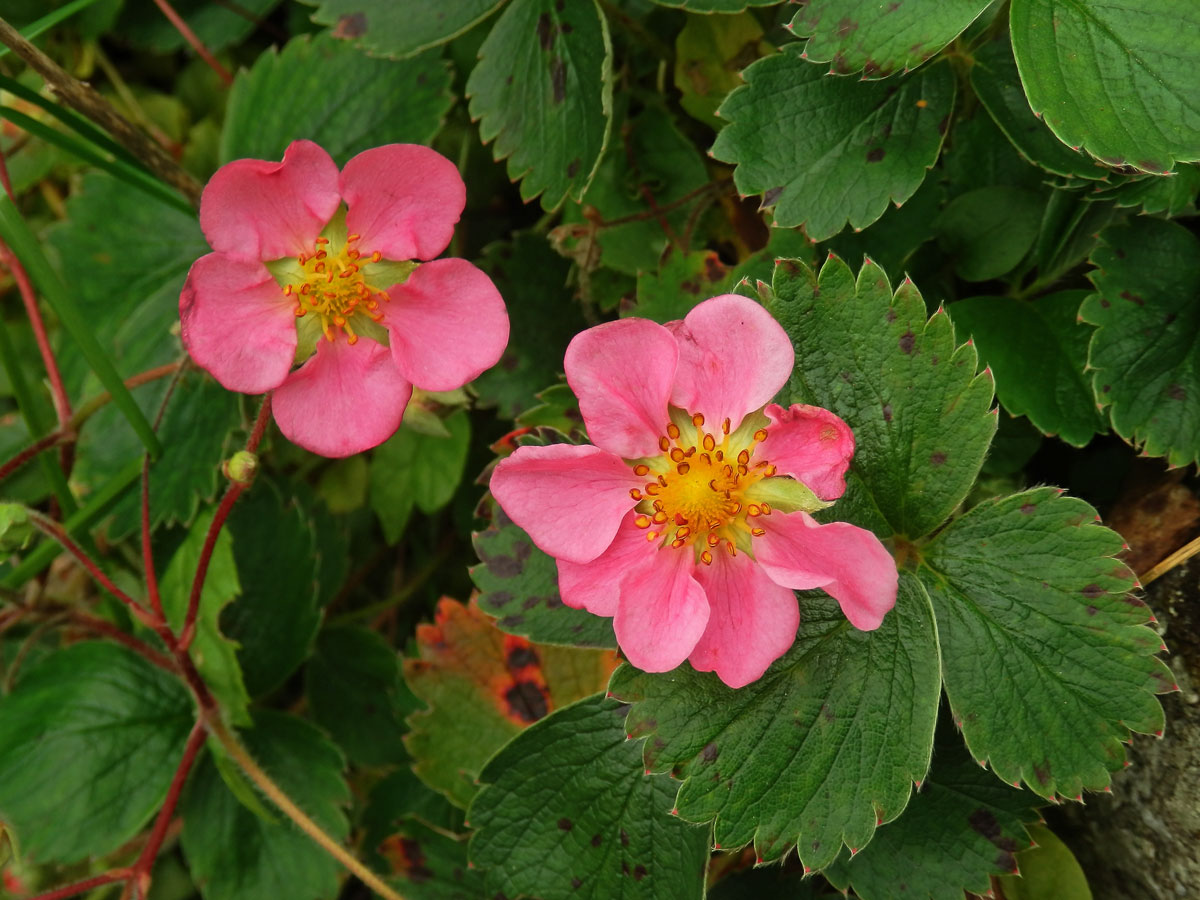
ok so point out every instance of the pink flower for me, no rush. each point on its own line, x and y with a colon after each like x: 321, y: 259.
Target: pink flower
x: 318, y: 268
x: 688, y: 521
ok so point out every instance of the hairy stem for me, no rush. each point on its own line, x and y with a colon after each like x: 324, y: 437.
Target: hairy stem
x: 276, y: 795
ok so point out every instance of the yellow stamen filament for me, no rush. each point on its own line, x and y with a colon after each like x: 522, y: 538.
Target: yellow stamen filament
x: 332, y: 285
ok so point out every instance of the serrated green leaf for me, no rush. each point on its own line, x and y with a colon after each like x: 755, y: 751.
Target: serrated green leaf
x: 715, y: 6
x: 710, y: 52
x: 482, y: 687
x: 826, y: 151
x: 982, y: 156
x: 400, y: 28
x: 196, y: 434
x: 1048, y: 870
x: 895, y: 237
x: 879, y: 40
x: 910, y: 393
x: 650, y: 158
x: 996, y: 82
x: 543, y: 91
x: 567, y: 813
x: 215, y: 24
x: 276, y: 619
x: 354, y: 686
x: 1038, y: 352
x: 215, y: 655
x: 1146, y: 351
x: 681, y: 281
x: 962, y: 826
x: 234, y: 854
x: 411, y: 469
x: 364, y: 102
x: 987, y: 232
x: 519, y: 586
x: 532, y: 278
x: 1046, y: 659
x: 88, y: 741
x: 768, y: 883
x: 839, y: 728
x: 1115, y: 77
x: 1175, y: 196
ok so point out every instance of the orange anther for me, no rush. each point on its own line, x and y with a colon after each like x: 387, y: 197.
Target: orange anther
x: 680, y: 519
x: 744, y: 457
x: 322, y: 240
x: 720, y: 456
x: 299, y: 311
x: 376, y: 256
x: 766, y: 508
x: 672, y: 431
x: 769, y: 471
x: 683, y: 468
x: 651, y: 536
x: 709, y: 442
x: 642, y: 521
x: 640, y: 469
x: 677, y: 454
x: 732, y: 549
x: 678, y: 542
x: 698, y: 420
x: 658, y: 504
x: 761, y: 434
x: 660, y: 517
x: 635, y: 494
x: 321, y: 254
x: 652, y: 488
x: 319, y: 267
x: 664, y: 444
x: 706, y: 558
x: 754, y: 510
x: 757, y: 532
x: 725, y: 426
x: 742, y: 470
x: 662, y: 480
x: 351, y: 238
x: 683, y: 532
x: 713, y: 540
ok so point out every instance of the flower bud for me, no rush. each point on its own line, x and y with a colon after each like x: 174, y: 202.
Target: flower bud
x: 241, y: 467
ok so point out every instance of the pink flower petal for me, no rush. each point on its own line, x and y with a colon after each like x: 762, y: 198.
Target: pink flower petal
x: 237, y: 324
x: 255, y: 209
x: 404, y: 200
x: 752, y: 621
x: 569, y: 499
x: 621, y: 372
x: 662, y: 611
x: 446, y: 323
x: 848, y: 562
x: 347, y: 398
x: 812, y: 445
x: 733, y: 358
x: 595, y: 586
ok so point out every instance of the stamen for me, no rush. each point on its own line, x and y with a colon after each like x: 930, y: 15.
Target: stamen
x: 652, y: 488
x: 744, y: 457
x: 725, y: 426
x: 641, y: 469
x: 651, y: 536
x: 766, y: 508
x: 698, y: 420
x: 662, y: 480
x: 706, y: 558
x: 351, y: 238
x: 720, y: 456
x: 683, y: 532
x: 761, y: 434
x: 683, y: 468
x: 672, y: 432
x: 680, y: 519
x: 709, y: 442
x: 732, y: 549
x: 642, y: 521
x: 660, y: 517
x: 677, y: 455
x: 635, y: 493
x: 758, y: 532
x: 664, y: 444
x: 678, y: 542
x: 322, y: 240
x: 713, y: 540
x: 754, y: 510
x: 742, y: 470
x: 376, y: 256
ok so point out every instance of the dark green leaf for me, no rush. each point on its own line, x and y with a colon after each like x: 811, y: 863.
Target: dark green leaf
x: 400, y: 28
x: 910, y: 393
x: 413, y: 469
x: 1038, y: 351
x: 1146, y: 352
x: 532, y: 278
x: 363, y: 102
x: 715, y: 6
x: 821, y: 749
x: 216, y: 25
x: 893, y: 239
x: 878, y: 40
x: 1175, y: 196
x: 710, y: 52
x: 980, y: 156
x: 650, y: 158
x: 826, y: 151
x: 567, y: 813
x: 276, y: 618
x: 987, y: 232
x: 234, y: 854
x: 1049, y: 869
x: 962, y: 826
x: 88, y: 741
x: 543, y: 91
x: 1115, y: 77
x: 356, y: 693
x: 682, y: 281
x: 519, y: 585
x: 995, y: 80
x: 1046, y: 659
x: 214, y: 653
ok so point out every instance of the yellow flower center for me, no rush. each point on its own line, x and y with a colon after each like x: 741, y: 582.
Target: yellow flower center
x: 332, y: 287
x: 700, y: 492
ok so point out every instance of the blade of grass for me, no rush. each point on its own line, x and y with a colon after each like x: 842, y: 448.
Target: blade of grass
x: 25, y: 245
x: 131, y: 175
x: 33, y: 29
x: 37, y: 418
x: 98, y: 504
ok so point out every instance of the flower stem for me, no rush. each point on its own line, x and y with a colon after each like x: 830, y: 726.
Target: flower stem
x: 275, y: 794
x: 195, y: 42
x: 79, y: 887
x: 50, y: 440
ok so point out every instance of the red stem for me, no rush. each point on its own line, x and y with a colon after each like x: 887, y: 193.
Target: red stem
x: 195, y: 42
x: 188, y: 632
x: 71, y: 890
x: 108, y: 629
x: 62, y: 404
x: 52, y: 529
x: 147, y: 553
x: 55, y: 437
x: 141, y: 869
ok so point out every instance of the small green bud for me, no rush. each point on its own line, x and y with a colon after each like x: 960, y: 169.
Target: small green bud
x: 241, y: 467
x: 15, y: 527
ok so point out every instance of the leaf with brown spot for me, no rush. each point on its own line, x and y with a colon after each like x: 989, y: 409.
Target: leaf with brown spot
x: 399, y: 30
x: 482, y: 687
